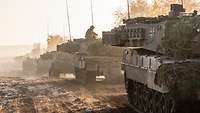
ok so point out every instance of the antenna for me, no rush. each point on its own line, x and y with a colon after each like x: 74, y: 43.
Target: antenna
x: 48, y: 31
x: 69, y: 27
x: 92, y: 12
x: 128, y: 8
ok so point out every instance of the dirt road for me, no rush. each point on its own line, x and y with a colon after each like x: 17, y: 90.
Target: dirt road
x: 18, y: 95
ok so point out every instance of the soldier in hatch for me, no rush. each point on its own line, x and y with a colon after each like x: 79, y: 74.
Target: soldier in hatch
x: 90, y: 34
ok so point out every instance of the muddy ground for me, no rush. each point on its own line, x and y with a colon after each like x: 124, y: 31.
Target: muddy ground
x: 42, y: 95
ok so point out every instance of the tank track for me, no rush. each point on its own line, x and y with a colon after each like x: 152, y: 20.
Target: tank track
x: 145, y: 100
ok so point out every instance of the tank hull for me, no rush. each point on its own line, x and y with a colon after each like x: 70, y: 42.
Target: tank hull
x: 157, y: 84
x: 60, y: 67
x: 108, y: 67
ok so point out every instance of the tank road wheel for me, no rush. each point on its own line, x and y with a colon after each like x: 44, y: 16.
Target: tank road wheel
x: 129, y: 87
x: 146, y: 100
x: 162, y: 103
x: 152, y: 101
x: 131, y: 90
x: 140, y: 97
x: 144, y: 97
x: 168, y: 104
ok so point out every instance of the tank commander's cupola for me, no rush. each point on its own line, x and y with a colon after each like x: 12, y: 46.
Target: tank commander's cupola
x: 176, y: 9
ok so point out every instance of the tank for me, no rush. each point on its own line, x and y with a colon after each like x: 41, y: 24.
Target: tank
x: 44, y: 62
x: 161, y: 61
x: 90, y: 60
x: 60, y: 62
x: 39, y: 60
x: 29, y: 66
x: 29, y: 62
x: 63, y: 63
x: 46, y: 59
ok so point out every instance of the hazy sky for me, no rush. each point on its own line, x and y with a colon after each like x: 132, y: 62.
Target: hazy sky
x: 26, y: 21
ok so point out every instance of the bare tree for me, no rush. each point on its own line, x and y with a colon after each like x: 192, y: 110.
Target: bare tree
x: 141, y: 8
x: 119, y: 16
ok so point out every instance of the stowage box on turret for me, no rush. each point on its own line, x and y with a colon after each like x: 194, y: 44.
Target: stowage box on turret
x: 161, y: 62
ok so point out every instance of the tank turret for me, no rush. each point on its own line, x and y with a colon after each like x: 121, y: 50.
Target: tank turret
x: 159, y: 34
x: 70, y: 46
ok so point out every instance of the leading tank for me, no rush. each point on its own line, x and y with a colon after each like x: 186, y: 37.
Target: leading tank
x: 161, y: 61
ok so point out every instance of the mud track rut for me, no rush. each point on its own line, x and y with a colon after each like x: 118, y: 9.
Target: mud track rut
x: 41, y: 95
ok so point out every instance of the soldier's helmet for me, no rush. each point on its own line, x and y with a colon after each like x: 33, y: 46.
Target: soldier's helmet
x: 92, y: 27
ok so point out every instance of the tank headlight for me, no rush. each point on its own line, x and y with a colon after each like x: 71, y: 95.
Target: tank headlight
x: 198, y: 30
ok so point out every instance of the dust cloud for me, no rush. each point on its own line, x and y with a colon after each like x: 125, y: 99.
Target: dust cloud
x: 9, y: 63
